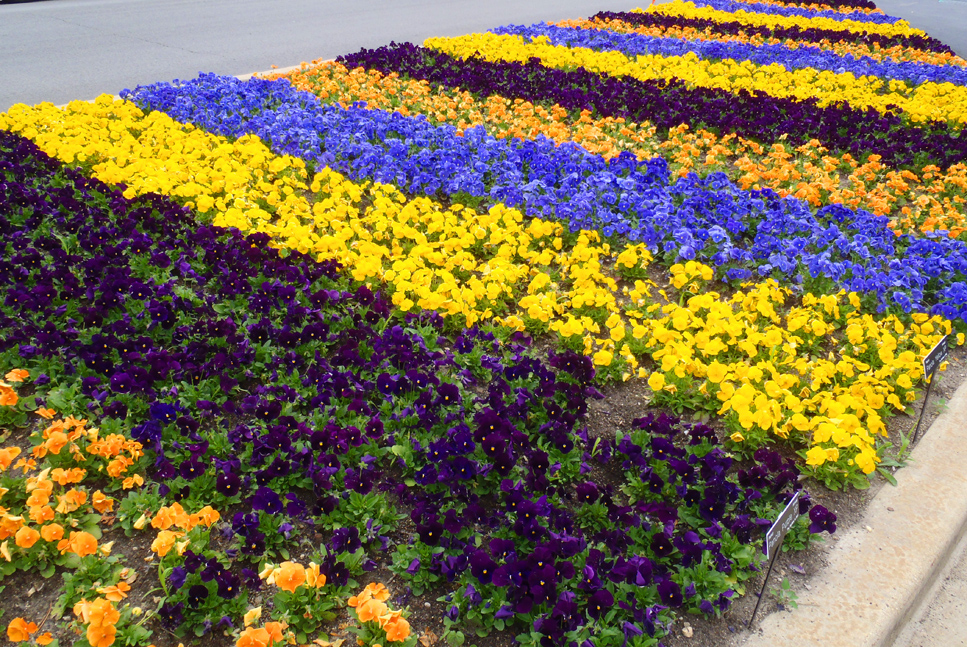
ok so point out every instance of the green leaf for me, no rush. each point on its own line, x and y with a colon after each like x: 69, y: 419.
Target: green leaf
x: 887, y: 476
x: 92, y: 528
x: 71, y: 561
x: 56, y: 399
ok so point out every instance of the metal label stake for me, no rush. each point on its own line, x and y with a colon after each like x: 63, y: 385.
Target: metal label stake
x: 932, y: 362
x: 774, y: 537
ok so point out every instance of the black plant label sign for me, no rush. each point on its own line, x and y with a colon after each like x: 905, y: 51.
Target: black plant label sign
x: 777, y: 531
x: 935, y: 358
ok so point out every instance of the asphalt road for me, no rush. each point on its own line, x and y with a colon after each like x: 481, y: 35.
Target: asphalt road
x: 945, y: 20
x: 59, y: 50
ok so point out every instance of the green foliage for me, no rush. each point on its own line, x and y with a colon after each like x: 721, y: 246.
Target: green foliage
x: 784, y: 595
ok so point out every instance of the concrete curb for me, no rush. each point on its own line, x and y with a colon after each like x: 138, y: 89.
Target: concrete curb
x: 879, y: 570
x: 280, y: 70
x: 242, y: 77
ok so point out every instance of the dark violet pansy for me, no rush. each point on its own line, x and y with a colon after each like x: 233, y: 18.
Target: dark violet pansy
x: 227, y: 484
x: 599, y: 603
x: 670, y: 593
x: 228, y: 584
x: 430, y: 532
x: 822, y: 519
x: 176, y: 579
x: 172, y: 615
x: 661, y: 545
x: 196, y: 594
x: 268, y: 500
x: 482, y: 566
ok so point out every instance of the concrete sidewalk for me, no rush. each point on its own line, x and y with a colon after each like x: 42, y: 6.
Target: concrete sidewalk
x: 942, y: 619
x: 883, y: 569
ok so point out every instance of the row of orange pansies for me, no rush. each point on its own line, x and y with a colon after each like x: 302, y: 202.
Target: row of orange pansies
x: 930, y: 200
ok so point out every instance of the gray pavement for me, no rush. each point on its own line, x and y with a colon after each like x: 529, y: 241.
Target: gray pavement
x: 60, y: 50
x: 942, y: 619
x: 945, y: 20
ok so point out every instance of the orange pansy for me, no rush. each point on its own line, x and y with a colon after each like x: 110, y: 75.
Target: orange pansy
x: 41, y: 513
x: 8, y: 397
x: 52, y: 532
x: 314, y: 577
x: 101, y: 635
x: 26, y: 537
x: 17, y: 375
x: 378, y: 591
x: 7, y: 454
x: 9, y: 525
x: 206, y: 516
x: 371, y: 610
x: 65, y: 477
x: 397, y: 629
x: 275, y: 630
x: 290, y: 576
x: 115, y: 593
x: 56, y: 442
x: 253, y: 637
x: 70, y: 501
x: 131, y: 482
x: 101, y: 502
x: 164, y: 541
x: 81, y: 543
x: 173, y: 515
x: 19, y: 630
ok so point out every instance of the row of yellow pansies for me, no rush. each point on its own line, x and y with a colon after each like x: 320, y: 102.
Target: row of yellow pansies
x: 751, y: 17
x: 772, y: 364
x: 456, y: 261
x: 898, y: 53
x: 929, y: 201
x: 924, y: 102
x: 518, y: 272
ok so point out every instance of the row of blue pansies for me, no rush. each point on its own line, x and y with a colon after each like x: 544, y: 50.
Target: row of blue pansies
x: 789, y: 57
x: 744, y: 233
x: 733, y: 6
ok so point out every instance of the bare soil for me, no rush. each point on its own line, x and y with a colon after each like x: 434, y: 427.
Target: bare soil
x: 30, y: 595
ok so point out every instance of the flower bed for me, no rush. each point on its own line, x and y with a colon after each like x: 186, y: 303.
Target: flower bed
x: 345, y: 326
